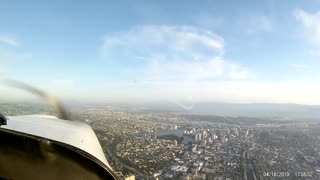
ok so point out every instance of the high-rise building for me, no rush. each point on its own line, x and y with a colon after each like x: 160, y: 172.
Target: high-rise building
x: 175, y: 143
x: 204, y: 134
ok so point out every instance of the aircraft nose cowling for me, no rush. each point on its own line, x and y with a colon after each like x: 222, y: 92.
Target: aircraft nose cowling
x: 70, y: 132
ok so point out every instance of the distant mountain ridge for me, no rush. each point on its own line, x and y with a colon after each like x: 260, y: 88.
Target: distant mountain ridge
x: 265, y: 110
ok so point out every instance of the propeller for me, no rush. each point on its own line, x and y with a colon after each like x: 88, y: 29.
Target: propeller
x: 62, y: 113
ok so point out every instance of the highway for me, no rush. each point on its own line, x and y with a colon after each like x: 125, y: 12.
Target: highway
x: 248, y: 165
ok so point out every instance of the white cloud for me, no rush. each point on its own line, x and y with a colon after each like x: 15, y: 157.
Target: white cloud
x: 238, y: 72
x: 171, y: 53
x: 194, y: 70
x: 176, y: 39
x: 8, y: 40
x: 311, y: 24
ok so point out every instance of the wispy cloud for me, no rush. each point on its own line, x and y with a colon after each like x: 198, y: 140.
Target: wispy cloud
x: 9, y: 40
x: 176, y: 39
x: 311, y: 24
x: 166, y: 53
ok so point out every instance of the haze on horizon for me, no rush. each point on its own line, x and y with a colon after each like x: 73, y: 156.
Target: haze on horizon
x: 142, y: 51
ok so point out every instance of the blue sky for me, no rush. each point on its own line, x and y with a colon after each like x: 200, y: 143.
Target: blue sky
x: 163, y: 50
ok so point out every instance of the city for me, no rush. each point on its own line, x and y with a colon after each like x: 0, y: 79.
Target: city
x: 150, y: 144
x: 160, y: 90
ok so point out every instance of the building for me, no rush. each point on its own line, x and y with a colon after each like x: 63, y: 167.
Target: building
x: 204, y: 135
x: 214, y: 137
x: 131, y: 177
x: 196, y: 138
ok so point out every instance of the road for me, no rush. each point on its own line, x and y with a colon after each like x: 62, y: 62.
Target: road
x: 244, y: 163
x: 122, y: 164
x: 248, y: 165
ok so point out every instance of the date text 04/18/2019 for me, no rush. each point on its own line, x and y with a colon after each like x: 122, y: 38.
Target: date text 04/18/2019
x: 276, y: 174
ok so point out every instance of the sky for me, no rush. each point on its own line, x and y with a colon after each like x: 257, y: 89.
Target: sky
x: 174, y: 51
